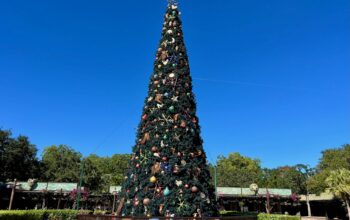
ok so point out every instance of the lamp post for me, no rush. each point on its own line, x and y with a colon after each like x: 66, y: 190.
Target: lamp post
x: 80, y: 184
x: 215, y: 182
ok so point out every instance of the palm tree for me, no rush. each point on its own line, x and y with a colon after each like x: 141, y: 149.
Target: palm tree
x: 339, y: 184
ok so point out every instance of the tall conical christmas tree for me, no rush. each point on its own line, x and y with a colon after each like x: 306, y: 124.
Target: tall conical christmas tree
x: 168, y: 174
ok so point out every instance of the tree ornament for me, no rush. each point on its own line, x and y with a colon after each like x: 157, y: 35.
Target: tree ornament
x: 171, y: 75
x: 166, y: 191
x: 155, y: 168
x: 145, y: 138
x: 164, y: 158
x: 166, y: 167
x: 171, y: 108
x: 175, y: 98
x: 178, y: 182
x: 137, y: 165
x: 144, y: 117
x: 158, y: 98
x: 187, y: 186
x: 154, y: 149
x: 183, y: 124
x: 153, y: 179
x: 165, y: 137
x: 176, y: 169
x: 165, y: 62
x: 146, y: 201
x: 136, y: 202
x: 161, y: 207
x: 194, y: 189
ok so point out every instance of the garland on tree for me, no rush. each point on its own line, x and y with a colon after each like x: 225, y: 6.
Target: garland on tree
x: 168, y: 174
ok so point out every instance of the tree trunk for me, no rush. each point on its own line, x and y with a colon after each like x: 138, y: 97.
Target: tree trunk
x: 348, y: 207
x: 308, y: 204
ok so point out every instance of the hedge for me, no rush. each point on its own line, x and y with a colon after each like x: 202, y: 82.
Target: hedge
x: 59, y: 214
x: 263, y: 216
x: 225, y: 213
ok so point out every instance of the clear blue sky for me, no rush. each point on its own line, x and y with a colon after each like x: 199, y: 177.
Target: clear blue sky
x: 271, y: 77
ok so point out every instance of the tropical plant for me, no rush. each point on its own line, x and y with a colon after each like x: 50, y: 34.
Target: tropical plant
x: 338, y: 183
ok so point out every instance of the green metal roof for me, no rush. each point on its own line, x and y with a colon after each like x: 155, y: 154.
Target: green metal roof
x: 234, y: 191
x: 48, y: 186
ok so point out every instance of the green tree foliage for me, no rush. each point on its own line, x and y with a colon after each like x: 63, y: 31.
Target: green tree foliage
x: 289, y: 177
x: 338, y: 183
x: 17, y: 157
x: 103, y: 172
x: 332, y: 159
x: 61, y: 164
x: 168, y: 169
x: 238, y: 171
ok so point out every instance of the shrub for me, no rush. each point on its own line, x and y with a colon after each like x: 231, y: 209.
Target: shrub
x: 236, y: 213
x: 263, y: 216
x: 64, y: 214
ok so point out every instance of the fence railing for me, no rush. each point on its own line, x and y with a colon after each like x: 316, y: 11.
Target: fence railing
x: 113, y: 217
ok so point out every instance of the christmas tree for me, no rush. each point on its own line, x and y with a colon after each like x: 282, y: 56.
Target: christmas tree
x: 168, y: 174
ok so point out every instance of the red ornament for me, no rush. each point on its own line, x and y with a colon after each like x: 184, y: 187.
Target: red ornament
x: 146, y: 201
x: 179, y: 154
x: 194, y: 189
x: 187, y: 186
x: 164, y: 158
x: 194, y: 120
x: 137, y: 165
x: 144, y: 117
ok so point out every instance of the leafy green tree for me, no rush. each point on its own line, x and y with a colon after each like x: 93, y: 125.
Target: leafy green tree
x: 91, y: 176
x: 238, y: 171
x: 290, y: 177
x: 17, y: 157
x: 332, y: 159
x: 110, y: 170
x: 61, y: 164
x: 338, y: 183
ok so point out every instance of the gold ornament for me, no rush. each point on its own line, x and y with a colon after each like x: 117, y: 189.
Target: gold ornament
x: 145, y: 138
x: 153, y: 179
x: 158, y: 98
